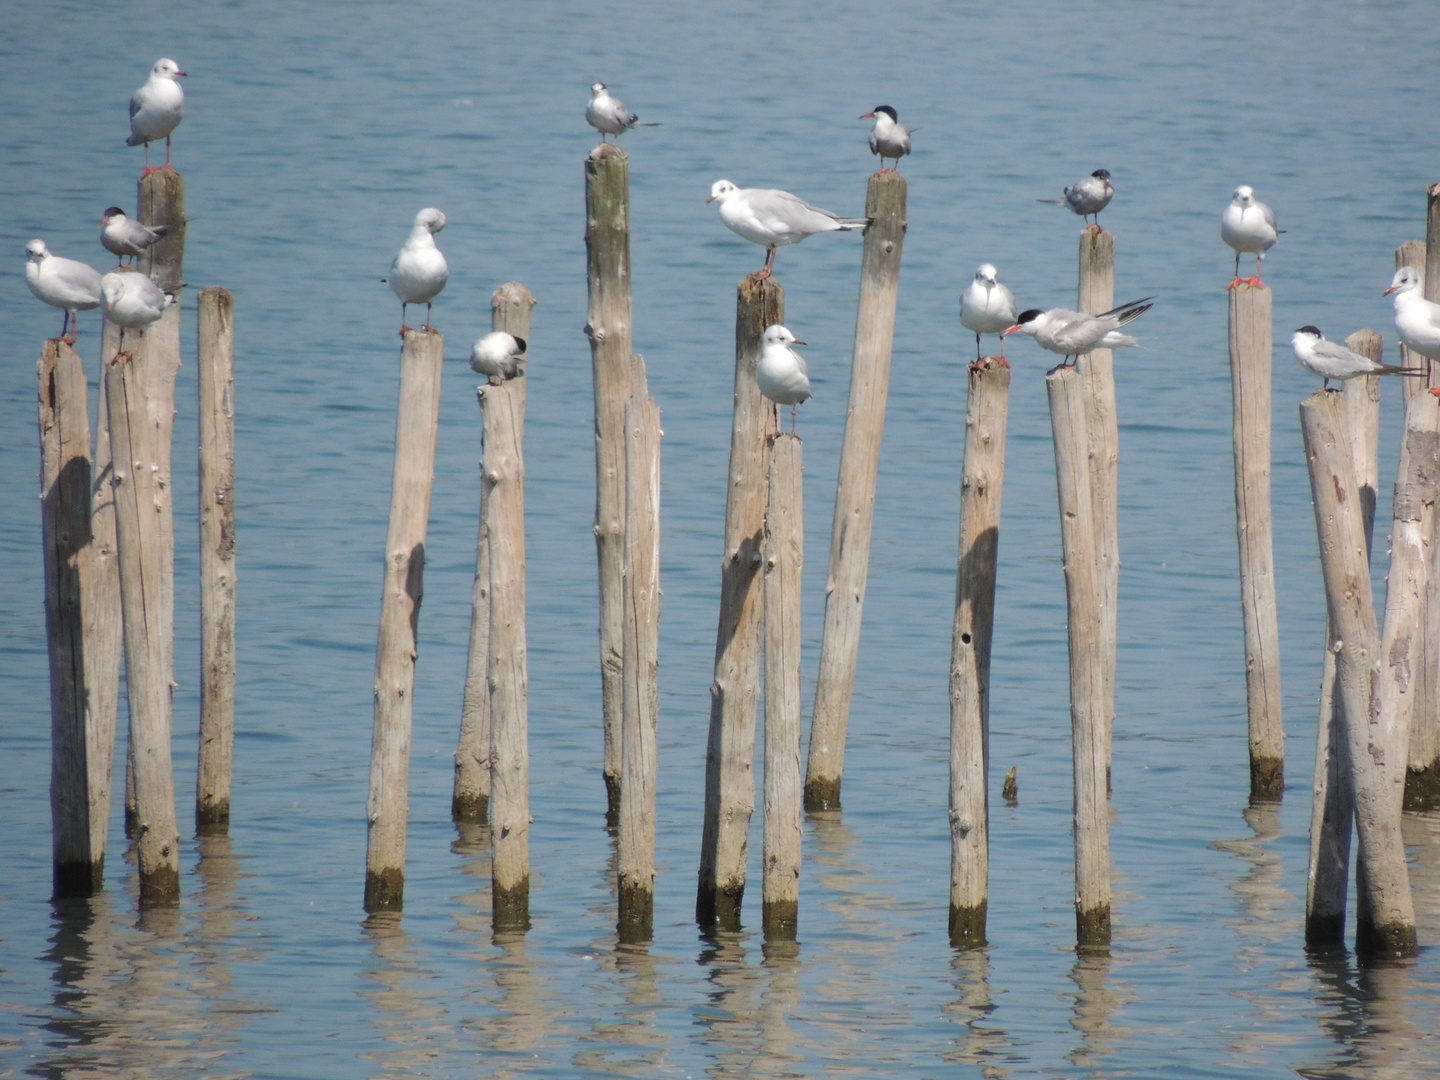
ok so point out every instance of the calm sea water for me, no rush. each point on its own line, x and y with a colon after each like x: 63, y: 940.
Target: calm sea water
x: 314, y: 132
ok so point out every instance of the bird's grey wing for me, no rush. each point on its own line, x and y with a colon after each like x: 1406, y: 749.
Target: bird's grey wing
x: 783, y: 212
x: 1432, y: 314
x: 1337, y: 353
x: 1007, y: 302
x: 78, y: 278
x: 794, y: 208
x: 1072, y: 329
x: 1269, y: 216
x: 804, y: 367
x: 135, y: 104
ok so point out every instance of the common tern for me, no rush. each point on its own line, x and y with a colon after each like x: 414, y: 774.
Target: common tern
x: 419, y: 271
x: 156, y: 109
x: 774, y: 218
x: 132, y: 300
x: 497, y: 354
x: 781, y: 374
x: 121, y: 236
x: 1072, y: 334
x: 889, y: 138
x: 987, y: 307
x: 608, y: 115
x: 1331, y: 360
x: 1417, y: 320
x: 1248, y: 225
x: 63, y: 283
x: 1087, y: 196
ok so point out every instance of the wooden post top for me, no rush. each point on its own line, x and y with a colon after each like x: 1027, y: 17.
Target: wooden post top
x: 607, y: 150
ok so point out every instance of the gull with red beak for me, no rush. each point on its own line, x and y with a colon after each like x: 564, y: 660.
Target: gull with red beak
x: 773, y: 218
x: 156, y: 109
x: 781, y: 374
x: 889, y: 138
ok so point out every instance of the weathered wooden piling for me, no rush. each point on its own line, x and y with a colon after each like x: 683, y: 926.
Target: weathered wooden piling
x: 1363, y: 682
x: 1250, y: 343
x: 1069, y: 404
x: 65, y: 493
x: 422, y: 356
x: 139, y: 529
x: 640, y: 701
x: 1096, y: 293
x: 607, y: 242
x: 217, y: 561
x: 102, y: 617
x: 885, y: 203
x: 735, y: 691
x: 1332, y: 805
x: 510, y: 307
x: 504, y: 498
x: 784, y: 559
x: 982, y: 479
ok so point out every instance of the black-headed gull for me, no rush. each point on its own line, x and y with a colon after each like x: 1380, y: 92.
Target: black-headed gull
x: 608, y: 115
x: 889, y: 138
x: 1331, y: 360
x: 1072, y: 334
x: 156, y: 109
x: 1248, y: 225
x: 1087, y: 196
x: 122, y: 236
x: 62, y: 283
x: 987, y: 307
x: 774, y: 218
x: 419, y: 271
x: 1417, y: 320
x: 781, y: 374
x: 497, y: 354
x: 132, y: 301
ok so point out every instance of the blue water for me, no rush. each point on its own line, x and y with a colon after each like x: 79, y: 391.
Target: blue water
x: 313, y: 134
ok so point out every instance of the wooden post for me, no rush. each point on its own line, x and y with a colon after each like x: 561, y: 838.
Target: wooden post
x: 103, y: 615
x: 510, y: 307
x: 1333, y: 805
x: 855, y: 489
x: 504, y: 409
x: 640, y: 702
x: 607, y: 242
x: 217, y: 561
x: 1068, y: 416
x: 65, y: 492
x: 982, y: 479
x: 1097, y: 369
x: 1250, y: 334
x: 416, y: 423
x: 784, y: 558
x: 1363, y: 682
x: 735, y: 691
x: 138, y: 521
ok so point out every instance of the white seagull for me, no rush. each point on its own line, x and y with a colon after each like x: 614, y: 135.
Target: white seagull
x: 419, y: 272
x: 1087, y: 196
x: 608, y: 115
x: 1330, y: 360
x: 889, y: 138
x: 1248, y: 225
x: 987, y: 307
x: 121, y: 236
x: 1072, y: 334
x: 62, y: 283
x: 497, y: 354
x: 1417, y: 320
x: 156, y: 109
x: 774, y: 218
x: 781, y: 374
x: 132, y: 301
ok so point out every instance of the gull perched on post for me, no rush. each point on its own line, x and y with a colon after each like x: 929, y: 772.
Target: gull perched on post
x: 781, y: 374
x: 1248, y: 225
x: 608, y: 115
x: 419, y: 271
x: 987, y: 307
x: 156, y: 109
x: 63, y: 283
x: 1417, y: 320
x: 774, y: 218
x: 133, y: 301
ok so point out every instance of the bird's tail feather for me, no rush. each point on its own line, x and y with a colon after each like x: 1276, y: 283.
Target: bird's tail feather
x: 848, y: 223
x: 1392, y: 369
x: 1131, y: 311
x: 1055, y: 202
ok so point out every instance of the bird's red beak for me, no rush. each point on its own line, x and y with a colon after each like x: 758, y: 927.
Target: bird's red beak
x: 711, y: 199
x: 1388, y: 291
x: 797, y: 341
x: 1011, y: 330
x: 866, y: 116
x: 180, y: 73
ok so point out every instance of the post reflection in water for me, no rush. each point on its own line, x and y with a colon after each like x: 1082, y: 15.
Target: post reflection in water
x: 1096, y: 1003
x: 416, y: 1029
x: 631, y: 1042
x: 980, y: 1044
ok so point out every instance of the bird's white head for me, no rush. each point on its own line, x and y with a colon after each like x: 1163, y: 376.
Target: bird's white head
x: 431, y: 219
x: 1027, y: 323
x: 111, y: 286
x: 721, y: 190
x: 1306, y: 337
x: 36, y: 250
x: 165, y: 68
x: 596, y: 89
x: 1244, y: 195
x: 987, y: 274
x: 879, y: 111
x: 778, y: 335
x: 1406, y: 279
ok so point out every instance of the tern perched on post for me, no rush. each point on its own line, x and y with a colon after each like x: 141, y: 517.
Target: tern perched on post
x: 987, y: 307
x: 419, y: 272
x: 123, y: 236
x: 156, y: 109
x: 1087, y: 196
x: 781, y: 374
x: 1331, y: 360
x: 1072, y: 334
x: 497, y: 354
x: 1248, y: 225
x: 773, y: 218
x: 889, y: 138
x: 608, y: 115
x: 63, y: 283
